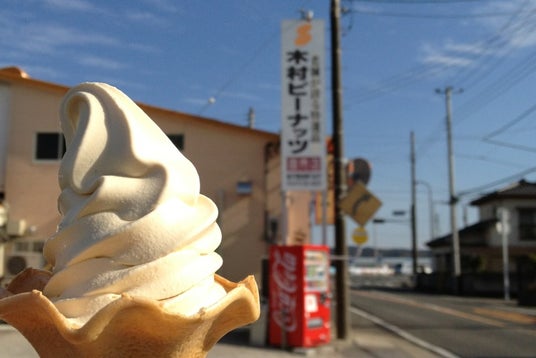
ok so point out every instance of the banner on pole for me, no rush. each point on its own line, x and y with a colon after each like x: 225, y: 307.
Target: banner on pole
x: 303, y: 151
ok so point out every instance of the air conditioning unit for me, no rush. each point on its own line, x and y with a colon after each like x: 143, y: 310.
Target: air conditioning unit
x: 16, y: 227
x: 3, y: 215
x: 18, y: 262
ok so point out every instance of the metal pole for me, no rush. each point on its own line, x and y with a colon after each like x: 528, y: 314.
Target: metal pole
x: 456, y: 272
x: 284, y: 219
x: 341, y: 250
x: 504, y: 235
x: 430, y: 207
x: 324, y: 216
x: 414, y: 252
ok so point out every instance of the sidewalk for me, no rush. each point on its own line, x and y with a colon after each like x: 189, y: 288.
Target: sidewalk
x: 367, y: 340
x: 369, y: 337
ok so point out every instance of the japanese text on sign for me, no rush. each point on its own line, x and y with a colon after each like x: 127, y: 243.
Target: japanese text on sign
x: 302, y: 134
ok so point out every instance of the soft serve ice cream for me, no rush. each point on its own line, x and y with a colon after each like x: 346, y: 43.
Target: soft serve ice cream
x: 133, y: 221
x: 133, y: 261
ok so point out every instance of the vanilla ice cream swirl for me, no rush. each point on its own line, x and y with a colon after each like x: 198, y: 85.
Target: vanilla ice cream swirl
x: 134, y: 221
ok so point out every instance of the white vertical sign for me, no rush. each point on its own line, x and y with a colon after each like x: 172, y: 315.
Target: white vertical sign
x: 303, y: 146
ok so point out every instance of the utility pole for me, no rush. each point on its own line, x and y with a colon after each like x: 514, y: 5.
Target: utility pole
x: 341, y: 250
x: 413, y: 205
x: 456, y: 265
x: 251, y: 117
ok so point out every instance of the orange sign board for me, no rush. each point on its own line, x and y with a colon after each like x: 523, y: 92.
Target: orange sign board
x: 330, y: 207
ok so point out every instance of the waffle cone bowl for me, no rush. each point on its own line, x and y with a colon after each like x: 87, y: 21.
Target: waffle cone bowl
x: 129, y: 326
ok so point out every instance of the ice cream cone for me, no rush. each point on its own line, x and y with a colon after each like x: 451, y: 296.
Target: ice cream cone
x: 131, y: 326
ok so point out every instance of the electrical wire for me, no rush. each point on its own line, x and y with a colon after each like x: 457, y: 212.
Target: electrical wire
x: 415, y: 74
x: 428, y: 16
x: 241, y: 69
x: 435, y: 2
x: 501, y: 85
x: 493, y: 44
x: 495, y: 183
x: 511, y: 123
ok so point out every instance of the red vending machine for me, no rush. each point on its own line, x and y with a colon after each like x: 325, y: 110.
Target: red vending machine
x: 299, y: 296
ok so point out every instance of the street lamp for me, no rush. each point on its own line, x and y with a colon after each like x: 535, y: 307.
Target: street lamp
x: 430, y: 207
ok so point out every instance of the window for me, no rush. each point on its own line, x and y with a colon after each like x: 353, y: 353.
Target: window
x: 178, y: 140
x: 244, y: 187
x: 49, y: 146
x: 527, y: 224
x: 22, y: 246
x: 38, y: 246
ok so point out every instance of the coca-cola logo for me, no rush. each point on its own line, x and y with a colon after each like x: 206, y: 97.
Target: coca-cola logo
x: 284, y: 271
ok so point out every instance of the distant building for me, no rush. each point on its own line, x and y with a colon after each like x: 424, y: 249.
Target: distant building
x: 481, y: 243
x: 238, y: 168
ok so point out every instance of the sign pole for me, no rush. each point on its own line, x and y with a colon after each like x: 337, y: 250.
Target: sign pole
x: 504, y: 236
x: 324, y: 216
x: 284, y: 218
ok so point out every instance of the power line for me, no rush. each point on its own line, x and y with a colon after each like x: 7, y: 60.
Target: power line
x: 489, y: 94
x: 490, y: 45
x: 511, y: 123
x: 427, y: 16
x: 241, y: 69
x: 397, y: 82
x: 495, y: 183
x: 420, y: 72
x: 500, y: 86
x: 508, y: 79
x: 435, y: 2
x: 489, y: 160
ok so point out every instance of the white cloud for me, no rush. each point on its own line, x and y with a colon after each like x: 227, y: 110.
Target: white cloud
x: 142, y: 16
x: 163, y: 5
x: 439, y: 56
x: 445, y: 60
x: 100, y: 62
x: 50, y: 38
x: 240, y: 95
x: 78, y: 5
x: 517, y: 30
x: 465, y: 48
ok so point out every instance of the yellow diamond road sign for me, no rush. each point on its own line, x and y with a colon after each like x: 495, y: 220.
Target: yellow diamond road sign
x: 360, y: 204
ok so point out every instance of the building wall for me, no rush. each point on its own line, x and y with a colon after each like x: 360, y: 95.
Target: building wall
x: 4, y: 122
x: 223, y: 155
x: 31, y: 186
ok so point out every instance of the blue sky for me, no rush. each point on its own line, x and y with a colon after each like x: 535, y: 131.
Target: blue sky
x: 178, y: 54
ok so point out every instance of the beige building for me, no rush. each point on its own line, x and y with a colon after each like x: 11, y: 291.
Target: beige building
x: 238, y: 168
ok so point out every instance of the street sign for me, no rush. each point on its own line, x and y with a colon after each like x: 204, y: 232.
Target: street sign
x: 360, y: 204
x: 358, y: 169
x: 303, y: 143
x: 359, y: 235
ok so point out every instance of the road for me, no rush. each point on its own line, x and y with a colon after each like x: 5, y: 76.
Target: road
x: 460, y: 327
